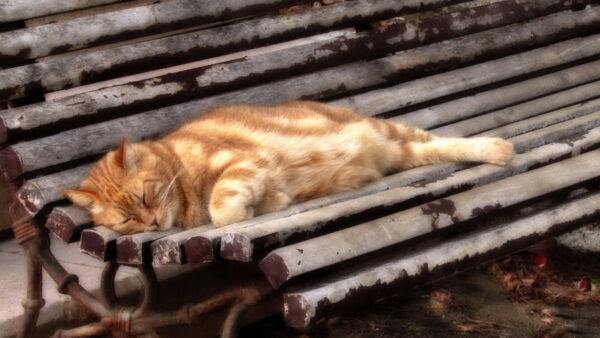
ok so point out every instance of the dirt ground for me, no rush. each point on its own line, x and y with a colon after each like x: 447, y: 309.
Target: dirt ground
x: 525, y: 295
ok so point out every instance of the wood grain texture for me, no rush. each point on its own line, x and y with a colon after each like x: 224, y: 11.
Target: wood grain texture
x: 39, y: 41
x: 342, y: 245
x: 68, y: 222
x: 75, y: 70
x: 14, y: 10
x: 99, y: 242
x: 354, y: 287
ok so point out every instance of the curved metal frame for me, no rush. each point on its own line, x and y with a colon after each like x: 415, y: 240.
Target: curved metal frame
x: 149, y: 289
x: 115, y: 319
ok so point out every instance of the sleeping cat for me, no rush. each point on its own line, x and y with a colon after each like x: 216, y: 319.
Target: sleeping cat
x: 239, y: 161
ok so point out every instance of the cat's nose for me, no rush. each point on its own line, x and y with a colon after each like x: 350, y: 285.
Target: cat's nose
x: 154, y: 220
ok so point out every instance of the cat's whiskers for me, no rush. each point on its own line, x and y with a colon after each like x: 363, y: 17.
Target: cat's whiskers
x: 166, y: 192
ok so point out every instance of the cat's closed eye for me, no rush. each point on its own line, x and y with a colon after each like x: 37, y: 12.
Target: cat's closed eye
x: 144, y: 200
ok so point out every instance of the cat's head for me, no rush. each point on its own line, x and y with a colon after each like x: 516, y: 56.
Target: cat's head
x: 130, y: 190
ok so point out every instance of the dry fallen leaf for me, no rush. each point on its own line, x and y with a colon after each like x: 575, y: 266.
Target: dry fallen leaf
x: 547, y: 312
x: 524, y: 279
x: 466, y: 324
x: 443, y: 296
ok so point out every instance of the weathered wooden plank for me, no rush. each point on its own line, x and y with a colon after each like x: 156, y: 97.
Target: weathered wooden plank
x: 99, y: 242
x: 520, y: 111
x: 421, y: 90
x: 172, y: 86
x: 352, y: 289
x: 86, y: 11
x: 40, y: 191
x: 585, y: 111
x: 288, y: 262
x: 310, y: 54
x: 167, y: 250
x: 191, y: 70
x: 135, y: 249
x: 105, y: 244
x: 39, y: 41
x: 553, y: 133
x: 493, y: 99
x: 247, y: 243
x: 90, y: 140
x: 67, y: 222
x: 75, y: 70
x: 15, y: 10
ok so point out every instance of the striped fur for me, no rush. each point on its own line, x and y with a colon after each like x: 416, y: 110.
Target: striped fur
x: 236, y: 162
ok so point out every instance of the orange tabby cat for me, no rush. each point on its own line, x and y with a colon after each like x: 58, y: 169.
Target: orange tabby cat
x: 236, y: 162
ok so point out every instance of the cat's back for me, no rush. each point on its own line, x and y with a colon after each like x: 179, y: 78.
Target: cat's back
x: 263, y: 125
x: 295, y: 117
x: 292, y: 135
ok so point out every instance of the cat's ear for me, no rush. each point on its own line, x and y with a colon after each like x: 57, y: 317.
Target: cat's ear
x: 126, y: 157
x: 86, y: 199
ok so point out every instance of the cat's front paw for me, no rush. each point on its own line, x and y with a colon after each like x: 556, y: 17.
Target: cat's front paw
x: 233, y: 214
x: 499, y: 151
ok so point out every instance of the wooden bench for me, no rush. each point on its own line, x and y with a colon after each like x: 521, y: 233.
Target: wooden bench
x: 74, y: 84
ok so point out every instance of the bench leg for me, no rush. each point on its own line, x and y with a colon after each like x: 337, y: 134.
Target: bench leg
x: 33, y: 301
x: 25, y: 229
x: 28, y: 233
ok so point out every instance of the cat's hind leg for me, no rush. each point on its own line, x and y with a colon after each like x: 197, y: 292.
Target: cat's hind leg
x: 440, y: 149
x: 236, y: 193
x: 410, y: 147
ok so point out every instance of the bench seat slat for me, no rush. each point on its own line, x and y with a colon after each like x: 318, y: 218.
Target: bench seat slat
x: 520, y: 111
x: 36, y: 193
x: 99, y: 242
x: 493, y: 99
x: 15, y: 10
x: 135, y: 249
x: 288, y: 262
x: 168, y: 250
x: 385, y: 276
x: 67, y: 222
x: 43, y: 40
x: 380, y: 101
